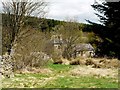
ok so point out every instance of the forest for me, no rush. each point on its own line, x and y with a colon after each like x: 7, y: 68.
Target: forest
x: 47, y: 53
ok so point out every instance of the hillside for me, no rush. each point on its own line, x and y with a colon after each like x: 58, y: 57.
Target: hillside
x: 45, y: 26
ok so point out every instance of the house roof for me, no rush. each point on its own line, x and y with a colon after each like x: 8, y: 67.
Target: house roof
x: 56, y: 41
x: 84, y: 47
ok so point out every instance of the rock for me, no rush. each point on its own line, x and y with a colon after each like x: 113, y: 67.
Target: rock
x: 41, y: 55
x: 6, y: 66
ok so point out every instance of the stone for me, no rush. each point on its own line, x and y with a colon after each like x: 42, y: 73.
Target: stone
x: 6, y: 66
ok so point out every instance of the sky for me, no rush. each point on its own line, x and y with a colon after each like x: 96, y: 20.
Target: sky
x: 78, y: 9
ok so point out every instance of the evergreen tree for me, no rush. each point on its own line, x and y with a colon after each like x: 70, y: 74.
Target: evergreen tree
x: 109, y: 31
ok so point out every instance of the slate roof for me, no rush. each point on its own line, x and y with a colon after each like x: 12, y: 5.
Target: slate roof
x: 84, y: 47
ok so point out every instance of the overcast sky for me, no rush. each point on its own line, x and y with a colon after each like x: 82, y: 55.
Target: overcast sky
x: 81, y: 9
x: 62, y: 9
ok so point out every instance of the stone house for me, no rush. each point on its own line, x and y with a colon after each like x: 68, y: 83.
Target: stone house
x: 79, y: 50
x: 84, y: 50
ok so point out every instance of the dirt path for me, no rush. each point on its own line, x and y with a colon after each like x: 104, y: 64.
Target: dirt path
x: 47, y: 80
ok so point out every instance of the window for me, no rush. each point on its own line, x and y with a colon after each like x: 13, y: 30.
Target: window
x: 58, y: 47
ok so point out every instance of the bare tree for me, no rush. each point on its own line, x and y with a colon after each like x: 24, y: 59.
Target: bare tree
x: 32, y: 53
x: 17, y: 11
x: 71, y: 35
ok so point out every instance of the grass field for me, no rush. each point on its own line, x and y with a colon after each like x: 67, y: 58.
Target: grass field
x: 59, y: 77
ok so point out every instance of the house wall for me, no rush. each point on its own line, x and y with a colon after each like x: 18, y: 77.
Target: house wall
x: 85, y: 54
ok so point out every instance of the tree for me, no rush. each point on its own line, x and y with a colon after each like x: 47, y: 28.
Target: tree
x: 109, y: 31
x: 71, y: 34
x: 31, y: 50
x: 16, y: 16
x: 0, y: 35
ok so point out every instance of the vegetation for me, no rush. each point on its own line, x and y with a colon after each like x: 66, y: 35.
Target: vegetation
x: 29, y: 44
x: 38, y: 38
x: 109, y: 31
x: 59, y: 78
x: 15, y: 17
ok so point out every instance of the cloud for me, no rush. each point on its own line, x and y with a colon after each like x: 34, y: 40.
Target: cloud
x: 0, y: 6
x: 72, y: 8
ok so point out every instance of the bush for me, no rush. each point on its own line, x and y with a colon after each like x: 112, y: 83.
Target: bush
x: 35, y: 59
x: 89, y: 62
x: 75, y: 62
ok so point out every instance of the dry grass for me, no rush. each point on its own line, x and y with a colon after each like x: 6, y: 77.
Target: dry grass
x: 97, y: 72
x: 35, y: 70
x: 96, y: 62
x: 64, y: 76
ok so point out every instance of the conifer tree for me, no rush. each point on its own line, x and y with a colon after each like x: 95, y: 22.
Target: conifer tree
x: 109, y: 31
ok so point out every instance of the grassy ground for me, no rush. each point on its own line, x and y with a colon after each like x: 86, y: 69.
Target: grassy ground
x: 59, y: 78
